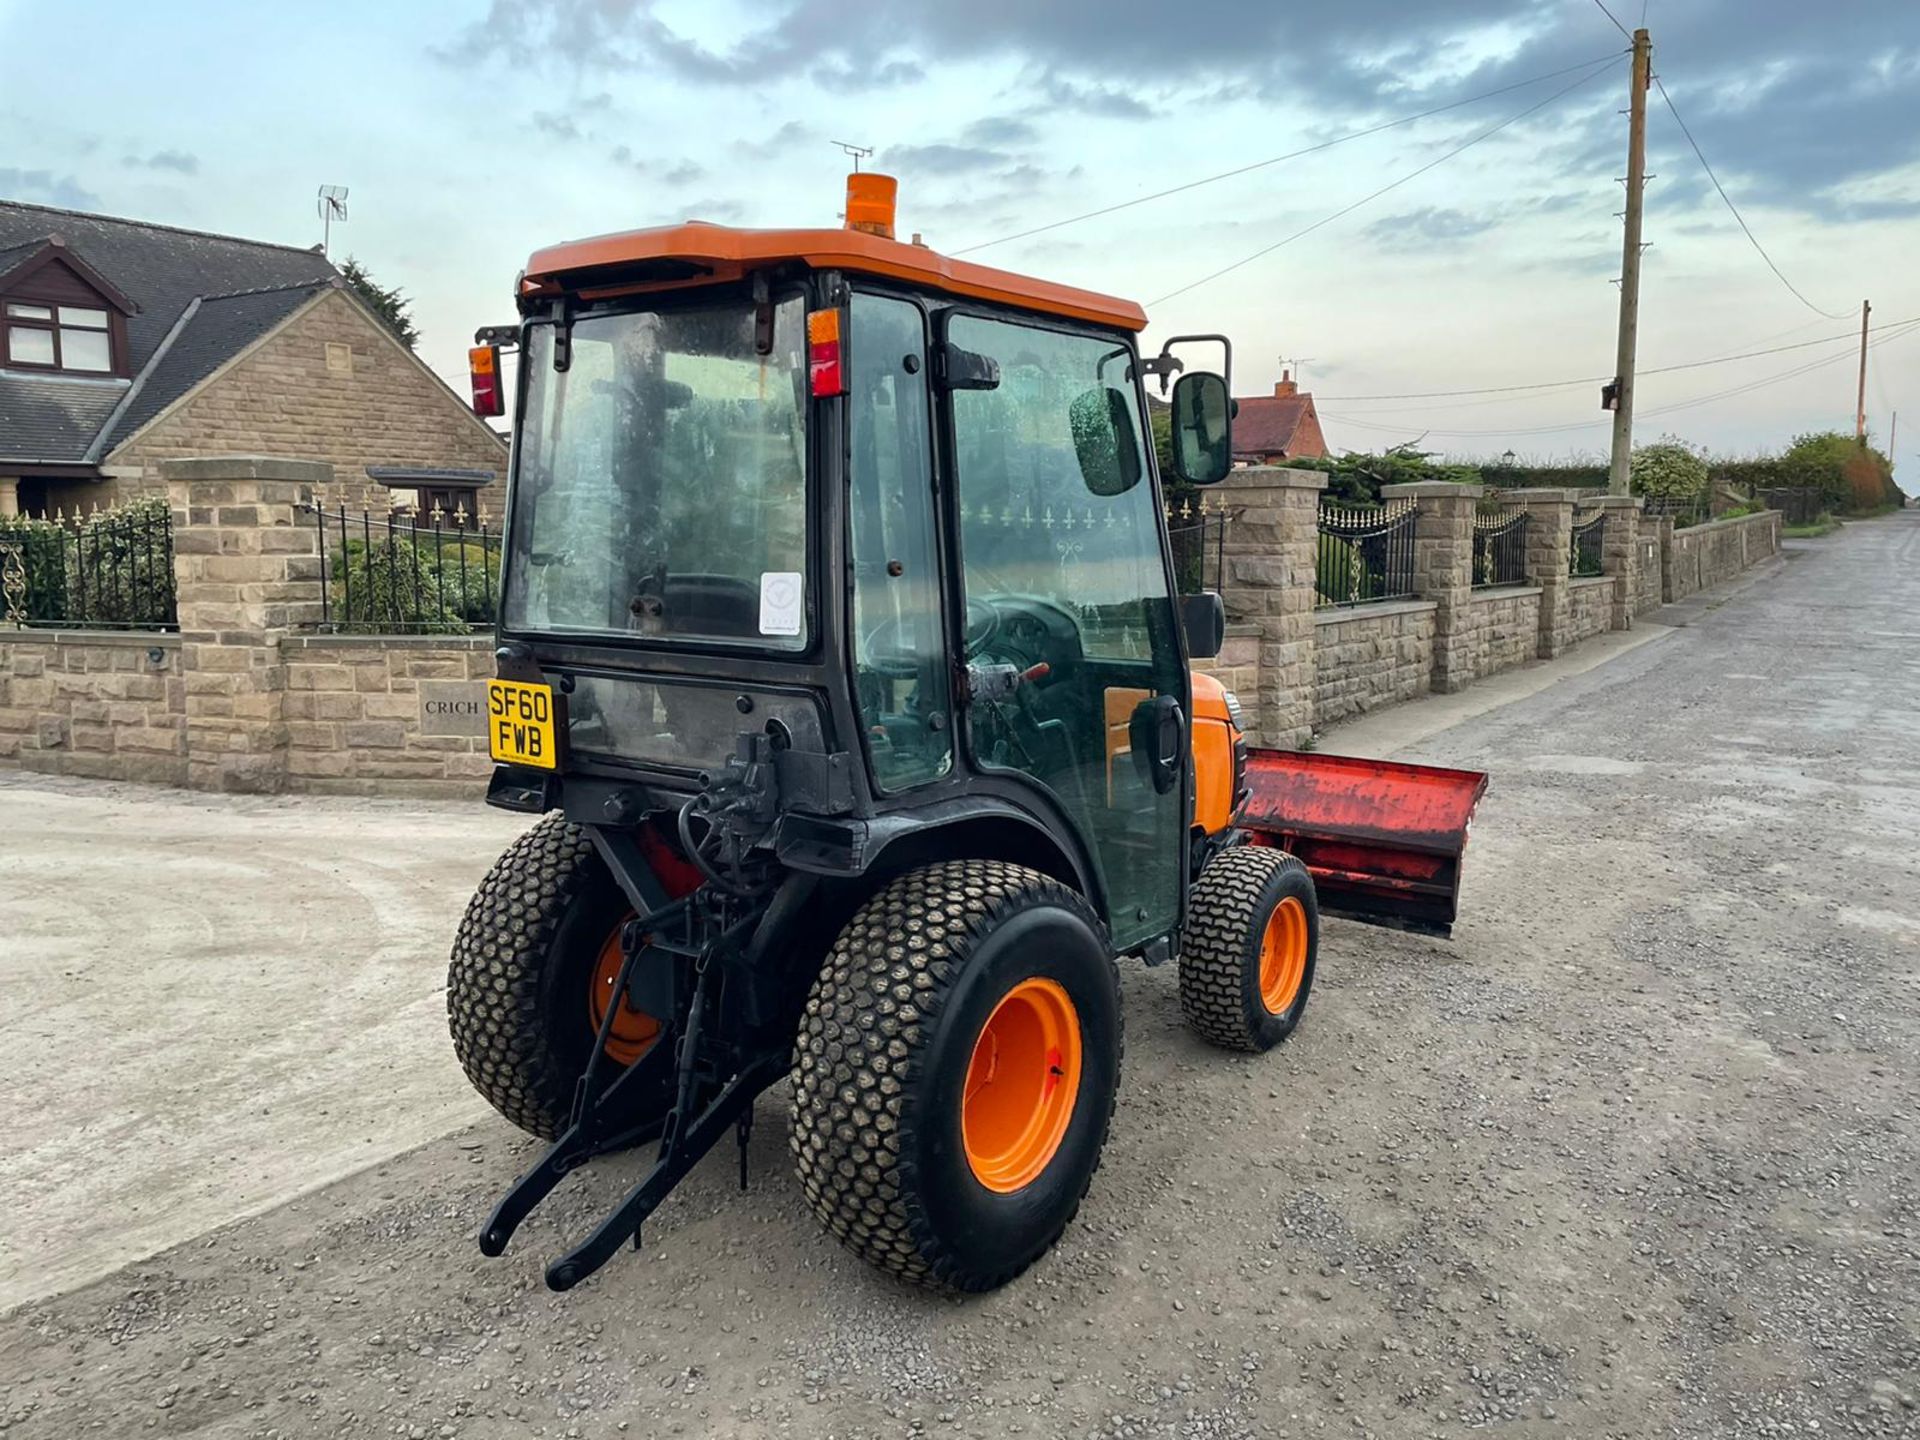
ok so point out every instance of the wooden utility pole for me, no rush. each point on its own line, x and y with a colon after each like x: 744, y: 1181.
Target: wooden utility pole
x: 1860, y: 407
x: 1630, y: 264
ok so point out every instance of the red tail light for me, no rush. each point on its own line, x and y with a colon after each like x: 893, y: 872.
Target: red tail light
x: 825, y: 373
x: 483, y: 368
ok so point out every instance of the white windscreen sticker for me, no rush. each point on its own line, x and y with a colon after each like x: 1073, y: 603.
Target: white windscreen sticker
x: 779, y: 602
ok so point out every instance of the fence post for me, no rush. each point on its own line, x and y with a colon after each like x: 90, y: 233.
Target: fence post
x: 1267, y: 556
x: 245, y: 570
x: 1620, y: 552
x: 1550, y: 561
x: 1443, y: 571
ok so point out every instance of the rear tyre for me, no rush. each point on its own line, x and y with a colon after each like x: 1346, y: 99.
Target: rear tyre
x: 534, y: 964
x: 1247, y: 958
x: 955, y: 1070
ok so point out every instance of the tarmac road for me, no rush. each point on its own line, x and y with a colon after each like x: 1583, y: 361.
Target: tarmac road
x: 1634, y: 1154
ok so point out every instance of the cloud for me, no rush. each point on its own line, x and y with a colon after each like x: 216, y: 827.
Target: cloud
x: 942, y: 159
x: 1422, y: 229
x: 789, y: 136
x: 1000, y: 130
x: 555, y: 125
x: 43, y: 187
x: 178, y: 161
x: 683, y: 172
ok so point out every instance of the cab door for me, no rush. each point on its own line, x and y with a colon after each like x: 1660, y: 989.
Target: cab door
x: 1075, y: 671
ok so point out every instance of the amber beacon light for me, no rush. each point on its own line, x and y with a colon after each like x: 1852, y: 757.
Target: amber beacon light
x: 870, y: 203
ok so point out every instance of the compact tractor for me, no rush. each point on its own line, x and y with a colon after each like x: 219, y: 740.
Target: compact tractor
x: 840, y: 650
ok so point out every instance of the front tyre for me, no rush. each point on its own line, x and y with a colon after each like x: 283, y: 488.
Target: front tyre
x: 1247, y: 958
x: 955, y: 1071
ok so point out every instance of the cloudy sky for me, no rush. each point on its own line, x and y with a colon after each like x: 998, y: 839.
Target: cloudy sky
x: 472, y: 131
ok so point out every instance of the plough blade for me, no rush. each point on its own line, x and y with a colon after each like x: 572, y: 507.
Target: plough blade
x: 1382, y: 839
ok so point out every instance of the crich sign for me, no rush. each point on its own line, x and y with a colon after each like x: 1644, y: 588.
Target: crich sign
x: 453, y: 707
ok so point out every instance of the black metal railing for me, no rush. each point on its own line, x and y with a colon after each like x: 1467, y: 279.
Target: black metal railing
x: 1197, y: 532
x: 1588, y: 536
x: 1797, y: 504
x: 435, y: 574
x: 1500, y: 549
x: 1684, y: 512
x: 1363, y: 554
x: 107, y: 570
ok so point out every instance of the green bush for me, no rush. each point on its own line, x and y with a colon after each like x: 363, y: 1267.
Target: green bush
x: 111, y: 568
x: 1340, y: 574
x: 1854, y: 478
x: 1355, y: 479
x: 1668, y: 469
x: 392, y: 585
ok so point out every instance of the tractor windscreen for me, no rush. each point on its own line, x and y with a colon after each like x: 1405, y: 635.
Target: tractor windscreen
x: 659, y: 490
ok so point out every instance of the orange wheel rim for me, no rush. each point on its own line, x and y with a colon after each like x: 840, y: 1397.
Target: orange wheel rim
x: 1283, y: 956
x: 1022, y: 1081
x: 634, y: 1031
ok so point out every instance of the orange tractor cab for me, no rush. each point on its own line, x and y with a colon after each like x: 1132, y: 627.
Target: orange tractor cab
x: 842, y: 654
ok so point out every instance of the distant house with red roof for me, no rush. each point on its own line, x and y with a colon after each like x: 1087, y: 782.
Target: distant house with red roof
x: 1271, y: 429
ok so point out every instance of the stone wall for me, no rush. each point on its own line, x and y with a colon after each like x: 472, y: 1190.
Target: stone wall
x: 1502, y: 629
x: 95, y: 703
x: 388, y: 714
x: 1237, y: 666
x: 1705, y: 555
x: 1371, y: 655
x: 1649, y: 587
x: 1589, y: 607
x: 331, y: 385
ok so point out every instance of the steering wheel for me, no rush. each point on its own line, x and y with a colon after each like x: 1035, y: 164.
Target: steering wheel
x: 886, y: 651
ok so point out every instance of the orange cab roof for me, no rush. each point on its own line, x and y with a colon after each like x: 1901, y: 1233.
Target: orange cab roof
x: 726, y: 253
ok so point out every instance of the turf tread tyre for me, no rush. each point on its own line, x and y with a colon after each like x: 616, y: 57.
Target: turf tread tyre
x: 496, y: 977
x: 860, y: 1056
x: 1219, y: 951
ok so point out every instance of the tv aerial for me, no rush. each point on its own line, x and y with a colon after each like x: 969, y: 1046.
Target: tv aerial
x: 856, y: 153
x: 332, y: 206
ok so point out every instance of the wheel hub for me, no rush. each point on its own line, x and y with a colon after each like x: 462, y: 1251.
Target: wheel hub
x: 1022, y: 1081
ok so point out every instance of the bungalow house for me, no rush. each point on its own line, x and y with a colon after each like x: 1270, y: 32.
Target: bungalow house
x: 1272, y: 429
x: 123, y: 344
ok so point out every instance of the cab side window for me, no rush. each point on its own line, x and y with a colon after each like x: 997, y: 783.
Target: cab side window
x: 899, y: 656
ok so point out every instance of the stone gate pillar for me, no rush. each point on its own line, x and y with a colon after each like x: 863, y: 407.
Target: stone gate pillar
x: 245, y: 571
x: 1443, y: 571
x: 1549, y: 561
x: 1267, y: 581
x: 1620, y: 552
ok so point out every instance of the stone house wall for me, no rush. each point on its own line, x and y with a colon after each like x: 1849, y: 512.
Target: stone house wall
x: 1367, y: 656
x: 96, y: 703
x: 333, y: 385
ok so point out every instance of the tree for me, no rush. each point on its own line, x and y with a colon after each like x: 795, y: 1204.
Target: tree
x: 1668, y: 469
x: 389, y: 304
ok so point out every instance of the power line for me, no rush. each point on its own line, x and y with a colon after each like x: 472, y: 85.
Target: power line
x: 1735, y: 210
x: 1595, y: 379
x: 1609, y: 14
x: 1904, y: 328
x: 1276, y: 159
x: 1366, y: 199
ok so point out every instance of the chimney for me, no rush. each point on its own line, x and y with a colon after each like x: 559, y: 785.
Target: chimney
x: 1284, y: 385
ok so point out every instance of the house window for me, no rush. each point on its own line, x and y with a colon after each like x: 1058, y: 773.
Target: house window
x: 59, y: 337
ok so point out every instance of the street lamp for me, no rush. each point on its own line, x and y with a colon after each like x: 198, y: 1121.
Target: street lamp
x: 1507, y: 459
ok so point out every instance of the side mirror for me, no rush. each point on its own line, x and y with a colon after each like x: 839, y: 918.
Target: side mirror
x: 1202, y: 428
x: 1204, y: 618
x: 1102, y: 424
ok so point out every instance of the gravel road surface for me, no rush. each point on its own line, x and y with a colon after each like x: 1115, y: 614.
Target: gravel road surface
x: 1634, y: 1154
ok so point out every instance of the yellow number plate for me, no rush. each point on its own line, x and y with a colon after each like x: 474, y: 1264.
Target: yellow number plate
x: 520, y: 724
